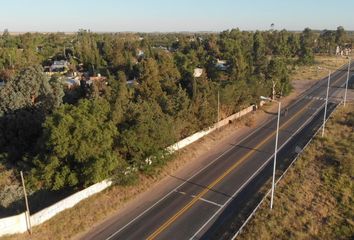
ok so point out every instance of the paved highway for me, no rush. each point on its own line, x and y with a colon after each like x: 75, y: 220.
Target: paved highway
x: 203, y: 206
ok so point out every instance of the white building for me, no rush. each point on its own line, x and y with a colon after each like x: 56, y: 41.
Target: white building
x: 59, y: 66
x: 221, y: 64
x: 197, y: 72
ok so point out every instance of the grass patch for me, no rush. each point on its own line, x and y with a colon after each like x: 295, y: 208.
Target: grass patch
x: 315, y: 200
x: 313, y: 73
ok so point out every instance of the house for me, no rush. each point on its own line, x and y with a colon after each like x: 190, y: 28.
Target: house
x: 197, y: 72
x: 72, y: 83
x: 132, y: 82
x: 221, y: 64
x: 59, y: 66
x: 140, y: 53
x: 97, y: 78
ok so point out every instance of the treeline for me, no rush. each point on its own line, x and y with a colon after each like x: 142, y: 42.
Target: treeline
x: 119, y: 130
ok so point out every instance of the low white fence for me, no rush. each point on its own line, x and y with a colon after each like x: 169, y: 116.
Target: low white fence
x: 13, y: 224
x: 68, y: 202
x: 19, y: 223
x: 196, y: 136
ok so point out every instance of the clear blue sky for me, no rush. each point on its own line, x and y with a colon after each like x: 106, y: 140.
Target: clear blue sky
x: 174, y: 15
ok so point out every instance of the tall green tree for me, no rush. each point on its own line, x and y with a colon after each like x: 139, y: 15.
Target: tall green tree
x: 25, y: 101
x: 119, y: 98
x: 278, y: 77
x: 341, y: 36
x: 259, y: 54
x: 77, y: 146
x: 307, y: 42
x: 146, y: 132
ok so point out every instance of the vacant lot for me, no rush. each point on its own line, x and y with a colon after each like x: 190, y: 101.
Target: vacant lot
x: 315, y: 200
x: 313, y: 72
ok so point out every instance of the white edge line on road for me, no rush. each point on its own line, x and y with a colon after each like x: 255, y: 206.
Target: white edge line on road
x: 256, y: 172
x: 226, y: 151
x: 202, y: 199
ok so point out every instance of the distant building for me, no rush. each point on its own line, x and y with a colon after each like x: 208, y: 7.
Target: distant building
x: 197, y: 72
x: 72, y: 83
x: 221, y: 64
x: 132, y: 82
x: 59, y: 66
x: 97, y: 78
x: 140, y: 53
x: 337, y: 50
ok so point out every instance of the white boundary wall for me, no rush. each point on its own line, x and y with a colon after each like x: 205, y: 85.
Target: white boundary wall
x: 18, y: 223
x: 196, y: 136
x: 68, y: 202
x: 13, y: 224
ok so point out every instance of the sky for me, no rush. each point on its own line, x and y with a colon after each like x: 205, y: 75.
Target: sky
x: 173, y: 15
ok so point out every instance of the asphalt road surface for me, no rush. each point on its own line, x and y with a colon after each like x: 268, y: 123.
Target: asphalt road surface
x: 205, y: 205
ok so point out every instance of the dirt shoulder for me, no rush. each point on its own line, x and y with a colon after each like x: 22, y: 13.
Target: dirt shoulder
x: 101, y: 209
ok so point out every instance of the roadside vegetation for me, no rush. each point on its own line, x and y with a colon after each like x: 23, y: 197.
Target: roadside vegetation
x: 315, y: 200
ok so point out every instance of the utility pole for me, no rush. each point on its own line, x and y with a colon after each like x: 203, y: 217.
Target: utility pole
x: 218, y: 109
x: 275, y: 149
x: 325, y: 112
x: 28, y: 215
x: 346, y: 84
x: 275, y: 157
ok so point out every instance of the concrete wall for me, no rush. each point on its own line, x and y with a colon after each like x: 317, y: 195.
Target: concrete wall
x: 196, y: 136
x: 18, y: 223
x: 13, y: 224
x: 68, y: 202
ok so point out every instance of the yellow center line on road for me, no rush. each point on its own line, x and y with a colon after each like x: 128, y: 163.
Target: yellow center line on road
x: 221, y: 177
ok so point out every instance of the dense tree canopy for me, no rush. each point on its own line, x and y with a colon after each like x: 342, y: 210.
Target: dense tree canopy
x: 153, y: 95
x: 76, y: 146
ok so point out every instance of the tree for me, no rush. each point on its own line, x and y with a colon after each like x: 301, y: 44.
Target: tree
x: 77, y: 146
x: 307, y: 44
x: 341, y: 36
x: 237, y: 65
x: 258, y: 54
x: 281, y: 44
x: 294, y: 44
x: 25, y: 101
x: 149, y: 88
x: 278, y: 75
x: 327, y: 42
x: 30, y: 88
x: 146, y: 132
x: 120, y: 99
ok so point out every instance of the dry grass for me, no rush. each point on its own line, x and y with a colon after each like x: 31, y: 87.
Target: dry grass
x: 313, y: 73
x: 315, y: 200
